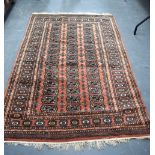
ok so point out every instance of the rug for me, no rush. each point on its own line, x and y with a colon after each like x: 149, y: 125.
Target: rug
x: 72, y: 81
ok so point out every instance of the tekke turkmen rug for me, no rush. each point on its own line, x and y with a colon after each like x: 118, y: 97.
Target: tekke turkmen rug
x: 72, y: 81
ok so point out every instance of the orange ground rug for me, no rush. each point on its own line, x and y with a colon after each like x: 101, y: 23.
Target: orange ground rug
x: 72, y: 81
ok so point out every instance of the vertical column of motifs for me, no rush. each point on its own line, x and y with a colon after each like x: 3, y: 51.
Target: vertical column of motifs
x: 101, y: 75
x: 97, y: 100
x: 62, y: 79
x: 41, y: 98
x: 84, y: 97
x: 126, y: 98
x: 51, y: 77
x: 48, y: 82
x: 111, y: 101
x: 36, y: 68
x: 73, y: 92
x: 9, y: 98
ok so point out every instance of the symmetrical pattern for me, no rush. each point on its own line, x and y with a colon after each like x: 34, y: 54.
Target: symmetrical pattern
x: 72, y: 80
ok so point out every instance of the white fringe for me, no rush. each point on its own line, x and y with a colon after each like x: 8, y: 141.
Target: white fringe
x: 71, y: 13
x: 76, y: 145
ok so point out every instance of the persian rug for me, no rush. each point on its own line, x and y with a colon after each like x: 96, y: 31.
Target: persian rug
x: 72, y: 81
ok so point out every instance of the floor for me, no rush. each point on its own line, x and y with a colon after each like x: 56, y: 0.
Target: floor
x: 128, y: 13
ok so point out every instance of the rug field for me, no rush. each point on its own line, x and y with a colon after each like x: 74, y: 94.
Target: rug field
x: 72, y: 81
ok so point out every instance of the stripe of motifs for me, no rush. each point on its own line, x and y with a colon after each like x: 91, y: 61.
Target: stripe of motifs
x: 104, y: 93
x: 36, y: 68
x: 21, y: 56
x: 62, y: 85
x: 43, y: 73
x: 126, y: 71
x: 84, y: 97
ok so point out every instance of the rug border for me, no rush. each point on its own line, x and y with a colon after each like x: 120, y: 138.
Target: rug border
x: 130, y: 65
x: 17, y: 54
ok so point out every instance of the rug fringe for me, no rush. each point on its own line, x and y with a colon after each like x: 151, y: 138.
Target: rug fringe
x: 72, y: 13
x: 76, y: 145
